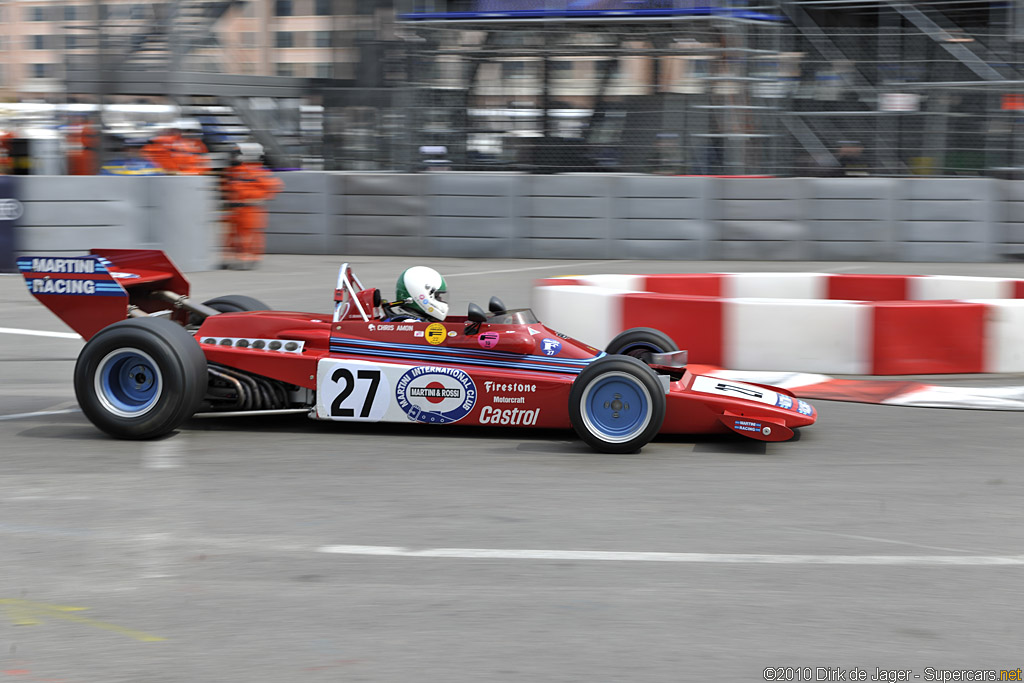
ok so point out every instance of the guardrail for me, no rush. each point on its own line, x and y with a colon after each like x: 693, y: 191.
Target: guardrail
x: 593, y: 216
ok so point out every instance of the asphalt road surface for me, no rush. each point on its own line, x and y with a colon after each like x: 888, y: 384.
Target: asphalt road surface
x: 288, y: 550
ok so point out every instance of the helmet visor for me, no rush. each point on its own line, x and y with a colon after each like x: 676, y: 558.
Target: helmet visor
x: 441, y: 295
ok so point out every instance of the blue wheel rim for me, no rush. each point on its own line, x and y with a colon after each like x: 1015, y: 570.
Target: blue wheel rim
x: 616, y: 407
x: 128, y: 382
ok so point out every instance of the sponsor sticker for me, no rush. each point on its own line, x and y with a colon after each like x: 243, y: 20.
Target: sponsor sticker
x: 436, y: 333
x: 436, y: 395
x: 747, y: 426
x: 550, y: 347
x: 804, y: 408
x: 488, y: 340
x: 417, y: 333
x: 784, y: 401
x: 509, y: 416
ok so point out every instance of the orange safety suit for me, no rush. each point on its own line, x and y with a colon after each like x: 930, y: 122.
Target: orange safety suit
x: 191, y: 157
x: 162, y: 151
x: 246, y: 187
x: 6, y: 160
x: 82, y: 146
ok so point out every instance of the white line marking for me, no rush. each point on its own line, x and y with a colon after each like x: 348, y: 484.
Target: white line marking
x: 691, y: 558
x: 40, y: 333
x: 572, y: 264
x: 880, y: 540
x: 39, y: 413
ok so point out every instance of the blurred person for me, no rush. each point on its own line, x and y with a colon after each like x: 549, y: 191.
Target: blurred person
x: 247, y: 186
x: 6, y: 152
x: 161, y: 149
x: 191, y: 155
x: 851, y: 159
x: 83, y: 145
x: 128, y: 160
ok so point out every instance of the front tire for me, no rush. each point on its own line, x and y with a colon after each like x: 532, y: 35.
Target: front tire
x: 140, y: 378
x: 641, y: 342
x: 236, y: 303
x: 617, y: 404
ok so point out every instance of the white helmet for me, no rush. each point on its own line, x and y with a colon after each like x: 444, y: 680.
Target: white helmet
x: 423, y: 289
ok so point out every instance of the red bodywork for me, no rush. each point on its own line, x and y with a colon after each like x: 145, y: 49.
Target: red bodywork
x: 516, y: 374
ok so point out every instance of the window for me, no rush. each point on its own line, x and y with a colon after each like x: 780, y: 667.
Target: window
x: 283, y: 39
x: 40, y: 70
x: 71, y: 42
x: 283, y: 8
x: 285, y: 70
x: 323, y: 71
x: 35, y: 13
x: 37, y: 43
x: 322, y: 39
x: 138, y: 12
x: 70, y: 13
x: 323, y: 8
x: 365, y: 6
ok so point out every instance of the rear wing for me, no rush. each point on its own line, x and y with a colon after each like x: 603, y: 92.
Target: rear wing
x: 90, y: 292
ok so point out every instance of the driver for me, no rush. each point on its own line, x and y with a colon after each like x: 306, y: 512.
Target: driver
x: 421, y: 296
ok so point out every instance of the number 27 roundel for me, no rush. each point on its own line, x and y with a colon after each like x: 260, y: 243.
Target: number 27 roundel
x: 352, y: 391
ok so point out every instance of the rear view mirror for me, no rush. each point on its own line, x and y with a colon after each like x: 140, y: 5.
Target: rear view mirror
x: 476, y: 314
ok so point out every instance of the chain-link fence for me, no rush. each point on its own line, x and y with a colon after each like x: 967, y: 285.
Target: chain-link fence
x: 822, y: 87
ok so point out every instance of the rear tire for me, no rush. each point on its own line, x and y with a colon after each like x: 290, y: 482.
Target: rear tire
x: 617, y: 404
x: 236, y: 303
x: 140, y: 378
x: 641, y: 342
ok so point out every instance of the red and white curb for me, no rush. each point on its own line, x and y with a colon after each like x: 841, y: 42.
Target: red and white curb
x: 843, y: 324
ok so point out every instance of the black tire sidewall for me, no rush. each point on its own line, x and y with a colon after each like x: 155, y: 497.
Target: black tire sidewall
x: 182, y: 368
x: 657, y: 340
x: 643, y: 374
x: 236, y: 303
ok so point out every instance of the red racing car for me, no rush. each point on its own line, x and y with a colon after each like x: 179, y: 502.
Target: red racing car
x: 154, y: 358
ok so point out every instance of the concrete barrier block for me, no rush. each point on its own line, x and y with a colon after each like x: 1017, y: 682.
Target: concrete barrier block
x: 580, y: 228
x: 591, y: 314
x: 849, y: 188
x: 398, y: 184
x: 682, y: 250
x: 299, y: 223
x: 569, y: 248
x: 944, y: 189
x: 762, y: 250
x: 304, y: 181
x: 569, y: 185
x: 1013, y: 233
x: 800, y: 336
x: 449, y: 226
x: 78, y: 239
x: 473, y: 184
x: 385, y: 205
x: 940, y: 231
x: 284, y: 243
x: 646, y: 186
x: 839, y: 250
x: 82, y: 213
x: 464, y: 247
x: 944, y: 252
x: 384, y: 225
x: 677, y: 229
x: 763, y: 230
x: 297, y: 202
x: 848, y: 231
x: 73, y: 188
x: 568, y: 207
x: 934, y: 210
x: 486, y: 207
x: 372, y: 245
x: 658, y: 208
x: 861, y: 210
x: 761, y: 210
x: 759, y: 188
